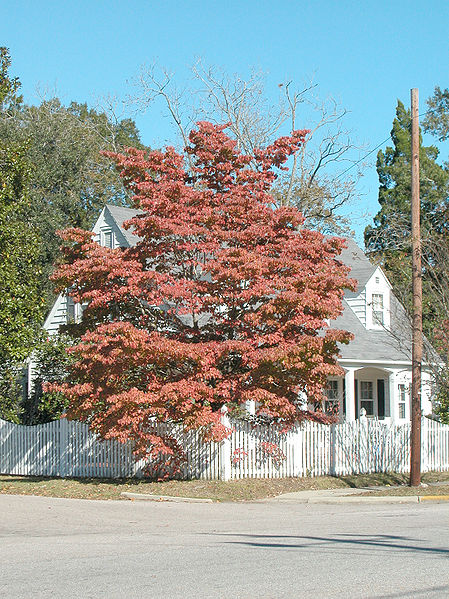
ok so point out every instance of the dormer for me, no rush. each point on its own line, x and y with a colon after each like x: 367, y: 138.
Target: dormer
x: 370, y: 301
x: 107, y: 232
x: 377, y: 294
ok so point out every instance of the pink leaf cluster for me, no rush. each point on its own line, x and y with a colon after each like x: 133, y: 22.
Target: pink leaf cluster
x: 268, y: 449
x: 238, y: 455
x: 224, y: 299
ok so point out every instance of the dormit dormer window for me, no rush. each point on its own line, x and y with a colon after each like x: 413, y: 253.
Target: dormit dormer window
x: 377, y: 302
x: 74, y: 312
x: 378, y: 308
x: 107, y: 238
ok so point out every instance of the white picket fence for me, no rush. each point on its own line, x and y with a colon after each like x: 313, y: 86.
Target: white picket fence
x: 349, y: 448
x: 69, y: 449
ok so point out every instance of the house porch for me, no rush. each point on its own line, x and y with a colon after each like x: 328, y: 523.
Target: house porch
x: 382, y: 392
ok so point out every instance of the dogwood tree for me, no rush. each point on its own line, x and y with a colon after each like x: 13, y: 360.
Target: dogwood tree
x: 224, y: 299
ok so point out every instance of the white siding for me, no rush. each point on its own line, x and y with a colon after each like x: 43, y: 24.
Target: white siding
x: 358, y: 306
x: 57, y: 316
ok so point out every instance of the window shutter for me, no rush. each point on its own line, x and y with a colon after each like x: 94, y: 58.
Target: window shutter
x: 381, y: 398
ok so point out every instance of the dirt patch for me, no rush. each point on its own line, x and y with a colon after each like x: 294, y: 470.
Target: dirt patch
x: 235, y: 490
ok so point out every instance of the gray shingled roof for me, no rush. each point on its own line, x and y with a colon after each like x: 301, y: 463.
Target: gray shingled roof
x: 361, y: 268
x: 120, y: 215
x: 381, y: 345
x: 353, y: 256
x: 372, y: 344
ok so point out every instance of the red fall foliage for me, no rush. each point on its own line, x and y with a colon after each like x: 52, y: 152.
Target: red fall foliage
x: 224, y: 299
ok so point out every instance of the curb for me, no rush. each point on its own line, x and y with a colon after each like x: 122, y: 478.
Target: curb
x: 161, y: 498
x: 308, y: 500
x: 355, y: 499
x: 434, y: 498
x: 351, y: 499
x: 367, y: 499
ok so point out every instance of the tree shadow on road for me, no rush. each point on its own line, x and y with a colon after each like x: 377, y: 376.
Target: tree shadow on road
x: 354, y: 540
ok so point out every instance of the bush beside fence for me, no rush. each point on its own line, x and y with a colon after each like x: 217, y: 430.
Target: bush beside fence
x: 68, y: 449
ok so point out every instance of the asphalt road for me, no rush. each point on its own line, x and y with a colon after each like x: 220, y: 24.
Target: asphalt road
x: 97, y: 549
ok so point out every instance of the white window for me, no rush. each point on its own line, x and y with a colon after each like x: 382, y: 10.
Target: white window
x: 377, y: 304
x: 402, y: 400
x: 107, y: 239
x: 367, y: 397
x: 74, y: 311
x: 333, y: 396
x: 332, y: 390
x: 71, y: 311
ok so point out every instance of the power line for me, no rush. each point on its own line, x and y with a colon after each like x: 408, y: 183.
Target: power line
x: 377, y: 147
x: 363, y: 157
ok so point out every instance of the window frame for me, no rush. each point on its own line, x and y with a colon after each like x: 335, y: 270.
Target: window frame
x: 403, y: 395
x: 107, y: 234
x: 333, y: 395
x: 369, y: 403
x: 378, y: 309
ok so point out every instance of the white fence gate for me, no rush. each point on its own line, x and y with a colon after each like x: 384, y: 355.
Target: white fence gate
x: 64, y: 448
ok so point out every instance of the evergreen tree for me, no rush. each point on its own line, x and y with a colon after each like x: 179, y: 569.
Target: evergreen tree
x: 437, y: 117
x: 389, y: 239
x: 52, y: 175
x: 21, y: 307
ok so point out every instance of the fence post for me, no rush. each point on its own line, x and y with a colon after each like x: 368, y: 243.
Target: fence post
x: 4, y: 465
x: 332, y: 450
x: 63, y: 447
x: 225, y: 448
x: 424, y: 445
x: 296, y: 441
x: 364, y: 445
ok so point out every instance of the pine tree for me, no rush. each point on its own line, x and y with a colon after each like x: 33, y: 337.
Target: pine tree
x: 388, y: 240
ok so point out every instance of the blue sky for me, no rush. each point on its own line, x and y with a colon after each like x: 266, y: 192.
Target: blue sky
x: 363, y: 54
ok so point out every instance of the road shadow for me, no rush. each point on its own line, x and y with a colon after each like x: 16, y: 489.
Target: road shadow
x: 307, y: 542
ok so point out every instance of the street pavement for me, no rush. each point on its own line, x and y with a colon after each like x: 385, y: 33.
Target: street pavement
x: 64, y: 548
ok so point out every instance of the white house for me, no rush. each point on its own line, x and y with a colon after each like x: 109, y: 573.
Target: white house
x: 377, y: 363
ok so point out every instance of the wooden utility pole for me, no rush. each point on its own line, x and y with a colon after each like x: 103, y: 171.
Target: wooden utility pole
x: 415, y: 441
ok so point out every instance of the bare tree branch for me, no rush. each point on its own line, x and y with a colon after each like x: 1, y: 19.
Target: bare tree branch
x: 255, y: 122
